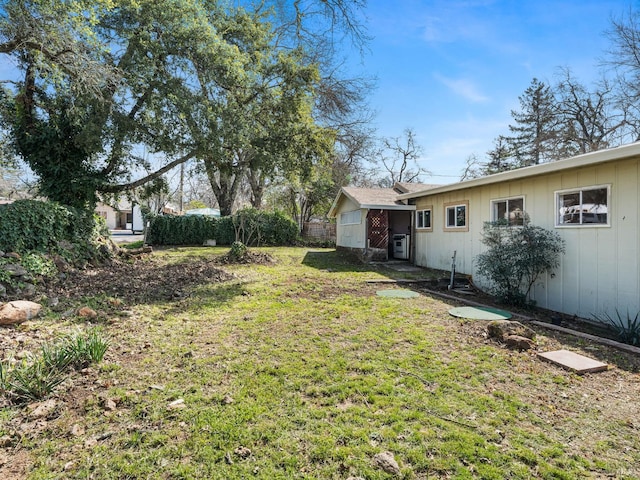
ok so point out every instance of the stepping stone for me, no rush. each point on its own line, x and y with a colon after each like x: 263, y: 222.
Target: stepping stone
x: 397, y: 293
x: 480, y: 313
x: 573, y: 361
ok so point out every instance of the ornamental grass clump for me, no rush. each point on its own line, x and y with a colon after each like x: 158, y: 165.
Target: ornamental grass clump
x: 37, y: 377
x: 626, y: 328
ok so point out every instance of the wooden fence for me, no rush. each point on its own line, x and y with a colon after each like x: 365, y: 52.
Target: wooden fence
x: 320, y: 231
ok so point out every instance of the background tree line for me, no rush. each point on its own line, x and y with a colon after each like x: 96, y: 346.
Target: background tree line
x: 107, y: 97
x: 568, y: 118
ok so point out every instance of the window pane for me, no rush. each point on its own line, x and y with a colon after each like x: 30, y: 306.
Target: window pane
x: 585, y: 207
x: 427, y: 219
x: 594, y: 206
x: 516, y: 211
x: 500, y: 211
x: 569, y: 208
x: 461, y: 213
x: 451, y: 217
x: 419, y: 219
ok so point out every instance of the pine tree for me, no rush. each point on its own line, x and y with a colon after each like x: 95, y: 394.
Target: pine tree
x: 535, y: 132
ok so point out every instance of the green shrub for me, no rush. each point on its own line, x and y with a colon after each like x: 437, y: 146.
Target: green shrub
x: 46, y: 227
x: 238, y: 250
x: 516, y: 257
x: 255, y: 227
x: 225, y: 233
x: 180, y: 230
x: 249, y: 226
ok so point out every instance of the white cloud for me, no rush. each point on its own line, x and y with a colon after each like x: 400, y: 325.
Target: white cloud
x: 462, y: 87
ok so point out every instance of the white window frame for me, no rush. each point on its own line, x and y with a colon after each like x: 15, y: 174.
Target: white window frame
x: 456, y: 227
x: 421, y: 214
x: 349, y: 218
x: 579, y: 190
x: 494, y: 209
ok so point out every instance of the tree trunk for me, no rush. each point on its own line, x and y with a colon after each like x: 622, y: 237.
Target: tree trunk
x: 257, y: 182
x: 224, y: 185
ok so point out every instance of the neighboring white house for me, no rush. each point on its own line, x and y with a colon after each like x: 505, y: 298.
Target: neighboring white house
x: 121, y: 216
x: 373, y: 222
x: 592, y: 201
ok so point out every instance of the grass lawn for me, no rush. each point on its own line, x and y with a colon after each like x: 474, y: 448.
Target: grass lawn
x: 296, y: 369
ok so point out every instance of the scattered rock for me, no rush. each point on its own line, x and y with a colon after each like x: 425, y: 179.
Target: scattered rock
x: 42, y: 409
x: 242, y: 452
x: 387, y: 462
x: 228, y: 459
x: 227, y: 400
x: 355, y: 478
x: 90, y: 442
x: 86, y: 312
x: 518, y: 342
x: 28, y: 291
x: 13, y: 255
x: 15, y: 270
x: 110, y: 405
x: 77, y: 430
x: 6, y: 441
x: 18, y: 311
x: 176, y: 404
x: 501, y: 329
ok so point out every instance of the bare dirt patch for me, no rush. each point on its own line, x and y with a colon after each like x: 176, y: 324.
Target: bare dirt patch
x: 146, y: 279
x: 250, y: 257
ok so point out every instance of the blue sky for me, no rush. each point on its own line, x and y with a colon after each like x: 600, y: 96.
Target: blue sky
x: 453, y: 69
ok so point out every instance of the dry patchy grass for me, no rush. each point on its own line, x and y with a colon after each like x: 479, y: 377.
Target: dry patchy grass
x: 296, y: 369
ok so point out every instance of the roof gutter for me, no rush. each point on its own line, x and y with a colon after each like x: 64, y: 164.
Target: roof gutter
x: 585, y: 160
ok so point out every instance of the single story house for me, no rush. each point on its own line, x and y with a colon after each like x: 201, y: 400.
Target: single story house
x: 592, y: 201
x: 374, y: 222
x: 120, y: 215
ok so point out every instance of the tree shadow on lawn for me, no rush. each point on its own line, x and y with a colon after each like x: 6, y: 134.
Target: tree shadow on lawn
x: 334, y: 261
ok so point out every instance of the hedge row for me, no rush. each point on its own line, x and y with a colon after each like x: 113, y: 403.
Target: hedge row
x: 180, y: 230
x: 250, y: 226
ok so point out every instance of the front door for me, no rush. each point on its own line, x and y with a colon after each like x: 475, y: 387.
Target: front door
x: 378, y: 223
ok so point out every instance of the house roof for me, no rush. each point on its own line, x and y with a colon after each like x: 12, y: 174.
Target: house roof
x: 580, y: 161
x: 378, y: 198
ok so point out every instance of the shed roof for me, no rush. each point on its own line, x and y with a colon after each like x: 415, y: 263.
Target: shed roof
x: 379, y: 198
x: 579, y: 161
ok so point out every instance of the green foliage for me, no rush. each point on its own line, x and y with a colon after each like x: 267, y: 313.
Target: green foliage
x: 249, y: 226
x: 34, y: 228
x: 256, y: 227
x: 30, y: 380
x: 35, y: 378
x: 625, y: 328
x: 133, y: 245
x: 39, y: 265
x: 238, y: 250
x: 516, y: 257
x: 180, y: 230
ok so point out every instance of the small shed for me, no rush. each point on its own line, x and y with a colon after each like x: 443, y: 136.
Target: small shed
x: 374, y: 222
